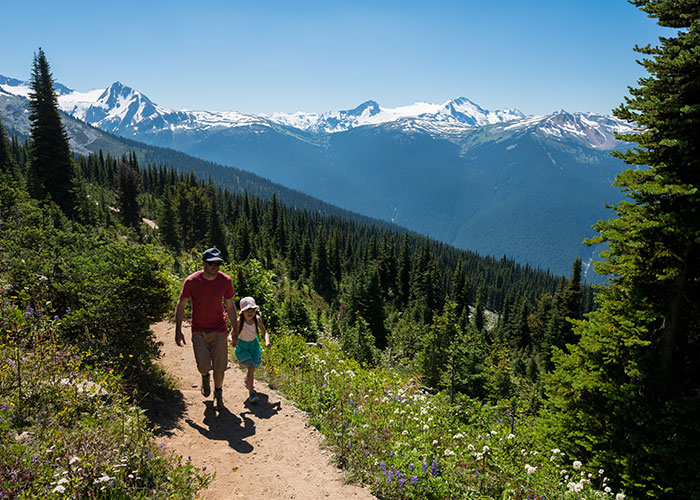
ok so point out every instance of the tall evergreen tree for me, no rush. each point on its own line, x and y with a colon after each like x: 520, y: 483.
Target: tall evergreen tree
x: 129, y: 187
x: 626, y: 396
x: 6, y: 161
x: 52, y: 172
x: 216, y: 232
x: 321, y: 277
x: 168, y: 222
x: 404, y: 272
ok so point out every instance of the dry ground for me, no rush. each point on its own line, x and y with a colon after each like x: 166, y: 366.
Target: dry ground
x: 264, y: 450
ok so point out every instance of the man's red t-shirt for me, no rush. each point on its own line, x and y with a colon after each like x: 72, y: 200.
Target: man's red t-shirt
x: 208, y: 313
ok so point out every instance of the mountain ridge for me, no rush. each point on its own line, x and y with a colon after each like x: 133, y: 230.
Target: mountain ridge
x: 530, y: 187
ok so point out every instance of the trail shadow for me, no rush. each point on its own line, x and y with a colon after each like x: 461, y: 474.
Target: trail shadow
x: 223, y: 425
x: 262, y: 408
x: 165, y: 414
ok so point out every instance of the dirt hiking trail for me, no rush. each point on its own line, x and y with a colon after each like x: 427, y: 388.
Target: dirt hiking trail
x: 263, y: 450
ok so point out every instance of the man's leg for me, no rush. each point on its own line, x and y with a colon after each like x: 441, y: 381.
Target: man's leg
x: 220, y: 362
x: 203, y: 358
x: 219, y: 379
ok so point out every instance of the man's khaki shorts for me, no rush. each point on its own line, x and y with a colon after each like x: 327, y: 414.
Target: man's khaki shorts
x: 210, y: 351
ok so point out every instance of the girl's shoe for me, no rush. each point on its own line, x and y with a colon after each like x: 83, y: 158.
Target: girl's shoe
x: 253, y: 397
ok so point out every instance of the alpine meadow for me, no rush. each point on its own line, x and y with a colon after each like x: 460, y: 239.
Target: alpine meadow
x: 433, y: 372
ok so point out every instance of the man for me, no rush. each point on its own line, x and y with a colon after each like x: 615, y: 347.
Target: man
x: 207, y: 289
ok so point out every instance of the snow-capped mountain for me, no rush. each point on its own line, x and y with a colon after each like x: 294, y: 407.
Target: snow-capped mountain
x: 459, y: 112
x: 495, y: 182
x: 124, y: 111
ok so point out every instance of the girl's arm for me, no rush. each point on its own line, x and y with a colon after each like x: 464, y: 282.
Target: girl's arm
x: 264, y: 331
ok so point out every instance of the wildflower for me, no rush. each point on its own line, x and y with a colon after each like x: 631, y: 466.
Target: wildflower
x: 486, y: 448
x: 556, y: 451
x: 530, y: 469
x: 59, y: 489
x: 601, y: 472
x: 620, y: 496
x: 414, y: 480
x: 575, y: 487
x: 435, y: 468
x: 449, y: 453
x: 470, y: 447
x: 607, y: 489
x: 74, y: 460
x: 458, y: 436
x: 425, y: 427
x: 577, y: 464
x: 435, y: 442
x: 511, y: 436
x: 404, y: 433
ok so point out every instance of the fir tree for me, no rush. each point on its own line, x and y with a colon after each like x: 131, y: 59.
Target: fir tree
x: 52, y: 172
x: 625, y: 397
x: 216, y: 233
x: 127, y: 194
x: 168, y: 222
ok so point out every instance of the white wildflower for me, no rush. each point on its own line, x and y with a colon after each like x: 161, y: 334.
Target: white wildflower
x: 470, y: 447
x: 620, y: 496
x: 435, y: 442
x: 425, y: 427
x: 404, y: 433
x: 530, y: 469
x: 511, y: 436
x: 607, y: 489
x: 486, y: 448
x: 458, y: 436
x: 74, y: 460
x: 575, y: 487
x: 59, y: 489
x: 577, y: 464
x: 449, y: 453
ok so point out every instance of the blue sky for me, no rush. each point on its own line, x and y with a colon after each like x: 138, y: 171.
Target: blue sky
x: 284, y: 55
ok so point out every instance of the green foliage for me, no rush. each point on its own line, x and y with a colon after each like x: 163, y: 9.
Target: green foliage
x: 408, y: 445
x: 358, y: 343
x: 251, y: 279
x: 626, y: 395
x: 66, y: 428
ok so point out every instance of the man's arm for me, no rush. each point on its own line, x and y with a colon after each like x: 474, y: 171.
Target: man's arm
x: 179, y: 316
x: 233, y: 318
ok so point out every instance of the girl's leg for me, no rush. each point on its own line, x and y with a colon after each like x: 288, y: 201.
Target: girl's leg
x: 249, y: 379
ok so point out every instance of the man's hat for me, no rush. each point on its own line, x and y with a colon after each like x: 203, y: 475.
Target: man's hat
x: 212, y: 255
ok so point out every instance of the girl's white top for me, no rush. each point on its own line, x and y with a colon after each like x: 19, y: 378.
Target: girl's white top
x: 248, y: 331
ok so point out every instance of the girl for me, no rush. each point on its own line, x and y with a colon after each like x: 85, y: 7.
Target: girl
x: 248, y: 351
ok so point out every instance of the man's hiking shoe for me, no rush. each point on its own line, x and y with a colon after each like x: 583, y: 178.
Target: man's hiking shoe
x: 253, y: 397
x: 206, y: 386
x: 218, y: 399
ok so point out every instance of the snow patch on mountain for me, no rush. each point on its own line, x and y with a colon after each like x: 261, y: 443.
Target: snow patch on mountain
x: 453, y: 113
